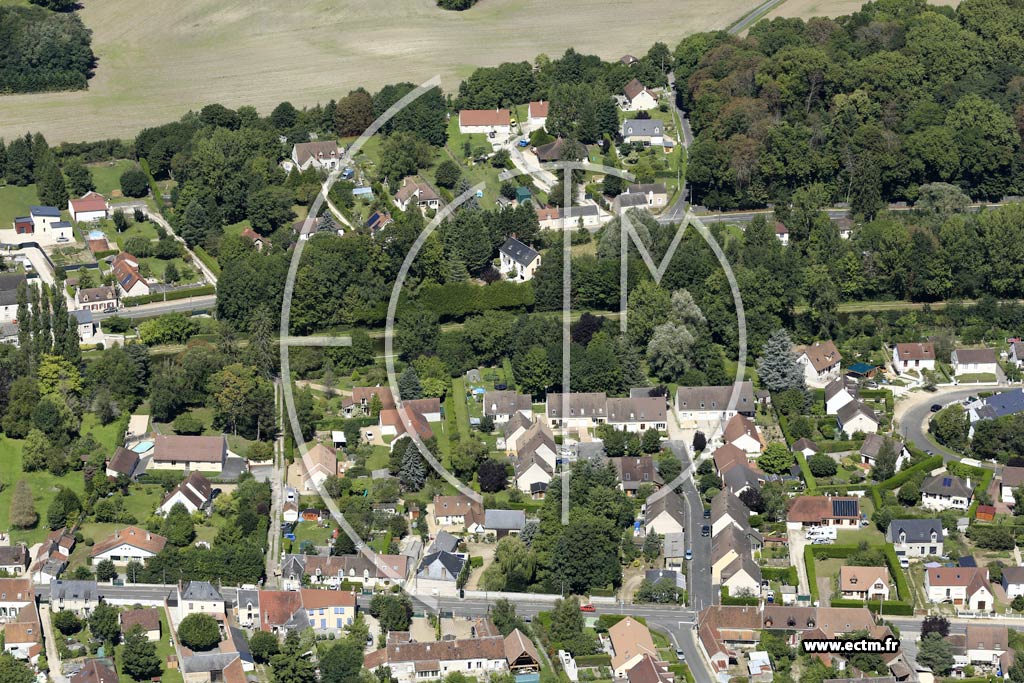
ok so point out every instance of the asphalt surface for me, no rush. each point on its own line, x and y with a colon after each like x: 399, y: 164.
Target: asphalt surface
x: 914, y: 423
x: 207, y: 302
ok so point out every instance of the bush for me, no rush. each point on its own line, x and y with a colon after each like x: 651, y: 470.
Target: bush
x: 199, y: 632
x: 134, y: 183
x: 187, y: 424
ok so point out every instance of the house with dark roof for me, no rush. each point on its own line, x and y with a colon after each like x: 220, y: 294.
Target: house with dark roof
x: 96, y: 299
x: 917, y: 356
x: 13, y: 559
x: 974, y: 362
x: 857, y: 418
x: 533, y: 474
x: 195, y: 493
x: 820, y: 360
x: 636, y: 97
x: 654, y: 194
x: 95, y: 671
x: 147, y: 618
x: 519, y: 262
x: 1013, y: 581
x: 178, y: 452
x: 808, y: 511
x: 806, y: 447
x: 873, y: 445
x: 441, y: 566
x: 444, y: 541
x: 9, y: 284
x: 502, y: 405
x: 80, y: 597
x: 577, y: 410
x: 838, y: 393
x: 502, y: 523
x: 47, y: 225
x: 995, y: 406
x: 635, y: 472
x: 643, y: 131
x: 714, y: 403
x: 915, y: 537
x: 1012, y: 478
x: 945, y: 491
x: 199, y: 597
x: 663, y: 513
x: 637, y: 414
x: 124, y: 463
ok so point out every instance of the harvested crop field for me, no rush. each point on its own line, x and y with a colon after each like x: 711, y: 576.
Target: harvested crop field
x: 159, y: 59
x: 805, y: 9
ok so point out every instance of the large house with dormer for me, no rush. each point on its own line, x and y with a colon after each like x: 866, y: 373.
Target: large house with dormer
x: 821, y: 361
x: 915, y: 537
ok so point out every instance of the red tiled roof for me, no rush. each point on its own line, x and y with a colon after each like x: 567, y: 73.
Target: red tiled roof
x: 133, y: 536
x: 90, y: 201
x: 539, y: 110
x: 485, y: 117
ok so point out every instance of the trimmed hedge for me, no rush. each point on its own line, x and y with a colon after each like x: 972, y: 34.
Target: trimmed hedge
x: 837, y: 446
x: 207, y: 260
x: 986, y: 480
x: 882, y: 394
x: 812, y: 578
x: 805, y: 470
x: 457, y: 300
x: 169, y: 296
x: 902, y: 589
x: 888, y: 608
x: 787, y: 575
x: 476, y: 561
x: 897, y: 480
x: 592, y: 661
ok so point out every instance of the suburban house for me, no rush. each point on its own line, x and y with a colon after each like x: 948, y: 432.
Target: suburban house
x: 729, y: 511
x: 9, y: 284
x: 537, y: 114
x: 673, y: 548
x: 94, y: 671
x: 96, y: 299
x: 551, y: 218
x: 360, y: 403
x: 421, y: 412
x: 741, y: 478
x: 856, y: 417
x: 126, y: 545
x: 377, y: 221
x: 529, y: 439
x: 533, y: 474
x: 1016, y: 355
x: 146, y: 617
x: 325, y: 611
x: 809, y: 511
x: 318, y: 463
x: 80, y: 597
x: 864, y: 583
x: 714, y: 403
x: 654, y: 194
x: 987, y: 645
x: 518, y: 261
x: 123, y: 463
x: 644, y: 131
x: 320, y: 154
x: 873, y: 445
x: 634, y: 472
x: 726, y: 457
x: 637, y: 97
x: 47, y: 225
x: 630, y: 641
x: 257, y: 239
x: 23, y: 637
x: 176, y: 452
x: 195, y: 493
x: 441, y: 566
x: 966, y: 587
x: 410, y: 661
x: 664, y: 515
x: 502, y: 405
x: 496, y: 123
x: 91, y: 207
x: 85, y: 326
x: 415, y: 193
x: 838, y: 393
x: 13, y: 559
x: 974, y: 362
x: 624, y: 202
x: 15, y: 593
x: 805, y: 447
x: 915, y: 537
x: 946, y: 492
x: 997, y: 405
x: 1012, y: 478
x: 458, y: 511
x: 199, y: 597
x: 1013, y: 581
x: 577, y: 411
x: 638, y: 414
x: 820, y: 360
x: 502, y: 523
x: 129, y: 280
x: 741, y: 431
x: 52, y: 556
x: 331, y: 570
x: 732, y: 563
x: 782, y: 233
x: 913, y: 356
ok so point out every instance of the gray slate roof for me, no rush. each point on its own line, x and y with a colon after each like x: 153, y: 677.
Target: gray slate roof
x: 453, y: 563
x: 444, y: 541
x: 505, y: 520
x: 917, y: 530
x: 642, y: 127
x: 945, y: 484
x: 74, y: 590
x: 518, y: 252
x: 200, y: 590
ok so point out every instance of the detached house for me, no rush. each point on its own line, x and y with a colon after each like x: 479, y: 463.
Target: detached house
x: 636, y: 97
x: 129, y: 279
x: 873, y: 445
x: 1012, y: 478
x: 820, y: 360
x: 127, y: 545
x: 195, y: 493
x: 962, y: 586
x: 663, y: 514
x: 46, y: 225
x: 124, y: 463
x: 518, y: 261
x: 645, y: 131
x: 741, y: 432
x: 974, y: 362
x: 415, y: 193
x: 318, y: 463
x: 715, y: 403
x: 915, y: 537
x: 319, y: 154
x: 203, y: 453
x: 1013, y: 581
x: 913, y: 356
x: 838, y: 393
x: 13, y: 559
x: 635, y: 472
x: 495, y: 123
x: 864, y: 583
x: 987, y: 645
x: 441, y: 566
x: 537, y: 114
x: 808, y: 511
x: 458, y: 511
x: 91, y: 207
x: 782, y: 233
x: 655, y: 194
x: 855, y: 417
x: 946, y: 492
x: 96, y: 299
x: 630, y: 642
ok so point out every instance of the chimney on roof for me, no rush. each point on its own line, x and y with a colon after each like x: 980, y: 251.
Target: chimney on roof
x: 147, y: 536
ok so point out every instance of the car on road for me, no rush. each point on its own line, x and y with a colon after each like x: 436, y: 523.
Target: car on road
x: 705, y: 531
x: 588, y: 608
x: 707, y: 513
x: 904, y: 563
x: 680, y: 655
x: 689, y: 554
x: 936, y: 407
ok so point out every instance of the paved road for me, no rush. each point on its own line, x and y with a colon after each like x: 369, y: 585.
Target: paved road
x: 914, y: 419
x: 276, y: 499
x: 752, y: 17
x: 52, y: 653
x: 206, y: 302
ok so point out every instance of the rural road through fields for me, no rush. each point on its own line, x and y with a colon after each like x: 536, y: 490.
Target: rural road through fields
x: 751, y: 18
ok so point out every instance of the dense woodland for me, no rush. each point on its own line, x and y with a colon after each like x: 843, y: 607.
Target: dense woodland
x: 874, y: 105
x: 42, y: 50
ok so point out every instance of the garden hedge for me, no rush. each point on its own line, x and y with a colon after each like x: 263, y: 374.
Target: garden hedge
x: 592, y: 661
x: 745, y: 601
x: 786, y: 575
x: 894, y: 482
x: 888, y: 608
x: 456, y: 300
x: 805, y: 470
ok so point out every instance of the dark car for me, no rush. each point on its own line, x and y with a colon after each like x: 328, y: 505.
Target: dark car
x: 936, y: 407
x: 705, y: 531
x: 707, y: 513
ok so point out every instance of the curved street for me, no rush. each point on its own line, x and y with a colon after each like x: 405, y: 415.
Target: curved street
x: 914, y: 412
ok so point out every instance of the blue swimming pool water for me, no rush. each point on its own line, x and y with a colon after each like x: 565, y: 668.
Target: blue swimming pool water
x: 142, y: 446
x: 97, y: 235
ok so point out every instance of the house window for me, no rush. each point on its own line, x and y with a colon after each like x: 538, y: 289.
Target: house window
x: 931, y: 550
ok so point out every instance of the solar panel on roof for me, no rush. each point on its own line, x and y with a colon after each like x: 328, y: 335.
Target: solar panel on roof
x: 844, y: 508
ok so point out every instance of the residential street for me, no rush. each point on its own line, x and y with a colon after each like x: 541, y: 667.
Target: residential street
x: 914, y: 412
x: 206, y: 302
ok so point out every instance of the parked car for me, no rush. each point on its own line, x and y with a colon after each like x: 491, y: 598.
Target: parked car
x: 707, y: 513
x: 936, y: 407
x: 680, y: 655
x: 689, y: 554
x: 705, y: 531
x: 904, y: 563
x: 588, y: 608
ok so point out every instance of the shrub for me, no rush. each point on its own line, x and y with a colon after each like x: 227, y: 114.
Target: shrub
x: 199, y: 632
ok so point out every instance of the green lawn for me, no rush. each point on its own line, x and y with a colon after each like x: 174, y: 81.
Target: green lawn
x: 237, y: 228
x: 155, y: 267
x: 43, y: 484
x: 144, y: 229
x: 313, y: 532
x: 108, y: 435
x: 457, y: 140
x: 379, y: 459
x: 870, y: 533
x: 106, y: 176
x: 14, y: 202
x: 142, y: 500
x: 163, y: 650
x: 976, y: 378
x: 459, y: 399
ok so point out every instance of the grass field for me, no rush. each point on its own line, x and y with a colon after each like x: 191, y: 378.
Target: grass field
x: 806, y: 9
x: 107, y: 176
x: 14, y: 202
x: 158, y: 60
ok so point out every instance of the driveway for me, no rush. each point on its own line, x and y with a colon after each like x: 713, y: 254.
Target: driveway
x: 797, y: 541
x: 233, y: 468
x: 52, y: 654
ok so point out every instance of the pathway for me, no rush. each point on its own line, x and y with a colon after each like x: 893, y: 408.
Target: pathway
x: 52, y: 653
x: 796, y: 558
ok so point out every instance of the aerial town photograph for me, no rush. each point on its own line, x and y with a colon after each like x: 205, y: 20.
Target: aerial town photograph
x: 511, y: 341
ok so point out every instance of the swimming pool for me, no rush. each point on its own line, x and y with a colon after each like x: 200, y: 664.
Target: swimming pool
x: 97, y: 235
x: 142, y: 446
